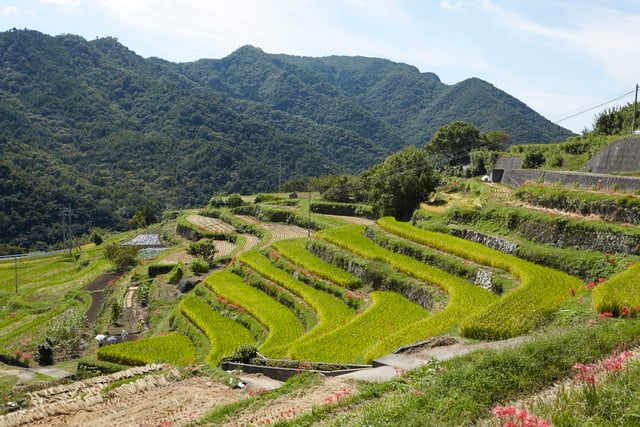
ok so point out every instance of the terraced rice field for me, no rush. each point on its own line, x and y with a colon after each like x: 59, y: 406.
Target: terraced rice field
x: 214, y: 225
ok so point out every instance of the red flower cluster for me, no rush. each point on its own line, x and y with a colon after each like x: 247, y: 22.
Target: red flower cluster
x: 586, y: 373
x: 518, y: 417
x: 592, y: 285
x: 604, y: 315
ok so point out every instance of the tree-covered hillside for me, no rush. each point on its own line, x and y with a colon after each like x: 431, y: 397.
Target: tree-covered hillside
x: 92, y: 125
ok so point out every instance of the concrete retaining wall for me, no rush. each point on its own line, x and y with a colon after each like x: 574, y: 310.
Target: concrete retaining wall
x: 517, y: 177
x: 283, y: 374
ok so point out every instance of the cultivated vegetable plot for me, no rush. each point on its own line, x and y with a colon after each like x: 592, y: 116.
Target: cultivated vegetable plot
x: 295, y: 251
x: 331, y: 311
x: 464, y: 297
x: 283, y: 325
x: 350, y: 343
x: 619, y: 295
x: 539, y: 296
x: 173, y: 348
x: 224, y: 334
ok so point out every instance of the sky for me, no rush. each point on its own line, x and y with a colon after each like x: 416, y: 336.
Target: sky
x: 566, y: 59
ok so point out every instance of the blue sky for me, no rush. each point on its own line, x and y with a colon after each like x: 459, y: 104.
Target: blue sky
x: 559, y: 57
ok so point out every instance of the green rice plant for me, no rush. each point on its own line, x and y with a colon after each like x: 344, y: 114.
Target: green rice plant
x: 331, y: 311
x: 464, y: 297
x: 283, y: 325
x: 620, y: 295
x: 173, y: 348
x: 223, y: 333
x: 349, y: 343
x: 533, y: 303
x: 295, y: 250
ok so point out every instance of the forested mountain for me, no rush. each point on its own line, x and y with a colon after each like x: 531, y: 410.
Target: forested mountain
x: 92, y: 125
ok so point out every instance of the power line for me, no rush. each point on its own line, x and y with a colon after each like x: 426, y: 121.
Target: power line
x: 594, y: 107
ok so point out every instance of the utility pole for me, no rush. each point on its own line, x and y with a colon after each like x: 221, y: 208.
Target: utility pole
x: 67, y: 234
x: 633, y: 122
x: 309, y: 229
x: 15, y: 260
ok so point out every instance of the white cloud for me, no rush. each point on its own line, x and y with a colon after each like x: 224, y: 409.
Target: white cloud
x: 66, y: 4
x: 8, y: 10
x: 601, y: 37
x: 447, y: 5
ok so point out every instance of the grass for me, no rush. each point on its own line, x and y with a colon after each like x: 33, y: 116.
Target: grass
x: 465, y: 389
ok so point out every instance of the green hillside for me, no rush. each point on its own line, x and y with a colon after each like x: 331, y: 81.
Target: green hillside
x: 92, y: 125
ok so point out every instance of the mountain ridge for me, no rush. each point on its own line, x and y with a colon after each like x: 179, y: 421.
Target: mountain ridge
x: 122, y: 131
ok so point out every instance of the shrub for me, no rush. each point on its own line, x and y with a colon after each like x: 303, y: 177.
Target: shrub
x: 175, y: 275
x: 199, y: 265
x: 203, y: 248
x: 124, y: 257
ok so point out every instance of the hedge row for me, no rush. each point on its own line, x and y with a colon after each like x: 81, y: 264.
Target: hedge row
x: 331, y: 311
x: 464, y: 298
x: 295, y: 251
x: 283, y: 326
x: 349, y: 343
x: 224, y: 334
x: 611, y: 207
x: 532, y: 304
x: 173, y: 348
x: 619, y: 295
x: 552, y: 229
x: 343, y: 209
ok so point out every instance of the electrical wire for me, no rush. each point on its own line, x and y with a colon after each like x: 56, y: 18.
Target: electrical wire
x: 594, y: 107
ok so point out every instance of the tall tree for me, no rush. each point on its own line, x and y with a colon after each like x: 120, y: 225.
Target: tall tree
x: 405, y: 179
x: 454, y: 141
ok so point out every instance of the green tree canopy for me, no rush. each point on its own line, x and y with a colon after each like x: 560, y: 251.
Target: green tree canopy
x: 203, y: 248
x: 405, y: 179
x: 496, y: 140
x: 454, y: 141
